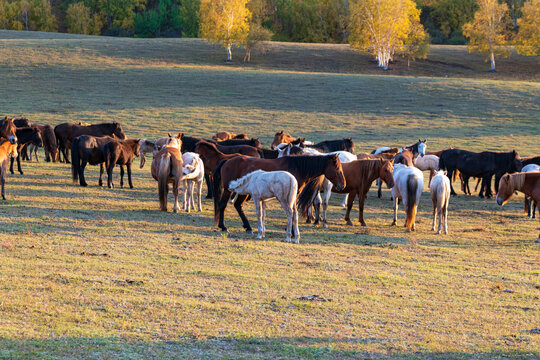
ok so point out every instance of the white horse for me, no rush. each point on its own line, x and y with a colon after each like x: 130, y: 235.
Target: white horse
x: 344, y: 157
x: 440, y: 195
x: 408, y: 186
x: 192, y: 177
x: 427, y: 162
x: 263, y: 185
x: 530, y: 205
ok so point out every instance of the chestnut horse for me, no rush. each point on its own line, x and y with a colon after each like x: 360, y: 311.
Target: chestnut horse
x: 303, y: 168
x: 6, y: 149
x: 167, y: 168
x: 527, y: 183
x: 8, y: 130
x: 282, y: 138
x: 120, y: 152
x: 225, y: 135
x: 359, y: 175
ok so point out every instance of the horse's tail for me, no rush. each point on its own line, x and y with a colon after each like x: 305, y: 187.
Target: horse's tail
x: 217, y: 189
x: 455, y: 176
x: 412, y: 187
x: 163, y: 181
x: 442, y: 165
x: 306, y: 197
x: 527, y: 205
x: 75, y: 161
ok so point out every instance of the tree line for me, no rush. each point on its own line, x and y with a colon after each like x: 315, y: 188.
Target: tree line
x: 385, y: 28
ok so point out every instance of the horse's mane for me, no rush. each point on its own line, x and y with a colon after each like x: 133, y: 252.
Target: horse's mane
x: 47, y: 132
x: 371, y: 166
x: 210, y: 145
x: 516, y: 181
x: 234, y: 184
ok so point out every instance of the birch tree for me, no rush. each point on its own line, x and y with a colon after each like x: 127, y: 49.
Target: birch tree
x: 382, y: 26
x: 486, y: 32
x: 225, y: 22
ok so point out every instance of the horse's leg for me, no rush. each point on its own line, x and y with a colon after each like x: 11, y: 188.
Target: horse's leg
x: 176, y: 190
x: 295, y: 229
x: 3, y: 171
x: 11, y: 165
x: 240, y: 199
x: 445, y: 217
x: 208, y: 179
x: 485, y: 179
x: 361, y: 201
x: 317, y: 209
x: 350, y: 203
x: 222, y: 206
x: 263, y: 218
x: 450, y: 174
x: 344, y: 203
x: 189, y: 189
x: 379, y: 190
x: 191, y: 196
x: 258, y: 214
x: 128, y: 168
x: 434, y: 201
x: 184, y: 190
x: 199, y: 195
x: 110, y: 168
x: 121, y: 176
x: 395, y: 210
x: 534, y: 206
x: 35, y: 152
x: 289, y: 212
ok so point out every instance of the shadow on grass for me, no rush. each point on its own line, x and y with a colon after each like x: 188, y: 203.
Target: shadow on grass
x: 224, y: 348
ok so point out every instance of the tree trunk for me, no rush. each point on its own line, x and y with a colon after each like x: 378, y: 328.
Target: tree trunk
x: 492, y: 62
x: 229, y: 53
x: 408, y: 63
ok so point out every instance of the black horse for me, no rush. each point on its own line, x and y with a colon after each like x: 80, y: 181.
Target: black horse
x: 87, y: 149
x: 328, y: 145
x: 483, y: 165
x: 25, y: 135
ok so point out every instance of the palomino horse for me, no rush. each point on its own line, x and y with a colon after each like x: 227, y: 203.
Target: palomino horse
x: 303, y: 168
x: 66, y: 132
x: 120, y: 152
x: 167, y: 168
x: 427, y: 162
x: 408, y: 186
x: 8, y: 130
x: 440, y: 196
x: 530, y: 205
x: 359, y: 175
x: 527, y: 183
x: 264, y: 185
x: 193, y: 176
x: 6, y: 149
x: 225, y: 135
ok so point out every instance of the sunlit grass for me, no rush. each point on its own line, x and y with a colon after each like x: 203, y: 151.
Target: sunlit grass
x: 93, y: 272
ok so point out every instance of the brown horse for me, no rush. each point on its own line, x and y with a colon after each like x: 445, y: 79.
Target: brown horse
x: 25, y: 136
x: 282, y: 137
x: 303, y: 168
x: 528, y: 183
x: 65, y: 133
x: 359, y: 175
x: 6, y: 149
x: 384, y: 156
x: 120, y: 152
x: 167, y: 168
x: 86, y: 149
x: 50, y: 145
x: 225, y: 135
x: 8, y: 130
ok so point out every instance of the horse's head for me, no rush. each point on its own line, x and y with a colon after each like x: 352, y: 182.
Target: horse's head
x: 296, y: 150
x: 334, y: 172
x: 241, y: 137
x: 256, y: 143
x: 506, y: 189
x: 386, y: 172
x: 422, y: 147
x: 517, y: 165
x: 117, y: 130
x: 8, y: 130
x: 278, y: 137
x: 349, y: 145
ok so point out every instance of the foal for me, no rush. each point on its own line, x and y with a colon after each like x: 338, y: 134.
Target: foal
x: 167, y: 168
x: 440, y: 196
x: 264, y: 185
x: 192, y: 176
x: 120, y: 152
x: 6, y: 149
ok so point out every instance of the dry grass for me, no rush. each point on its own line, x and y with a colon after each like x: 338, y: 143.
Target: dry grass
x: 98, y: 273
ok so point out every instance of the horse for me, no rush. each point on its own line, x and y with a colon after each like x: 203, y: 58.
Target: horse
x: 281, y: 137
x: 24, y: 136
x: 529, y: 204
x: 247, y: 150
x: 251, y: 142
x: 211, y: 157
x: 268, y: 153
x: 50, y: 146
x: 264, y: 185
x: 427, y: 162
x: 527, y: 183
x: 418, y: 148
x: 225, y: 135
x: 303, y: 168
x: 408, y: 186
x: 87, y: 149
x: 193, y: 176
x: 531, y: 160
x: 405, y: 157
x: 440, y: 196
x: 167, y: 168
x: 359, y: 175
x: 331, y: 145
x: 21, y: 122
x: 145, y: 147
x: 484, y: 165
x: 120, y: 152
x: 65, y: 133
x: 8, y: 130
x: 7, y: 149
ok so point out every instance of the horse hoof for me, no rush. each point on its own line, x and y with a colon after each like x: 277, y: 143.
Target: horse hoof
x: 537, y: 240
x: 325, y: 226
x: 362, y: 223
x: 249, y: 231
x: 349, y: 222
x: 393, y: 223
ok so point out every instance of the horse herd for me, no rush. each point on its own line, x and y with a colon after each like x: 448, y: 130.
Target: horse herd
x: 301, y: 175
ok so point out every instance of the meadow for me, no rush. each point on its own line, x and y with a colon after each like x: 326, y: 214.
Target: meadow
x: 99, y: 273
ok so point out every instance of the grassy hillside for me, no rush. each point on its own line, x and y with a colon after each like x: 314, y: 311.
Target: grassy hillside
x: 99, y: 273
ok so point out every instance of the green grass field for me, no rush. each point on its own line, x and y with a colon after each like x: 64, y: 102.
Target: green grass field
x: 99, y: 273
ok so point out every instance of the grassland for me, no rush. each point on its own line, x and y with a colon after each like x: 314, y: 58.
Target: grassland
x: 99, y: 273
